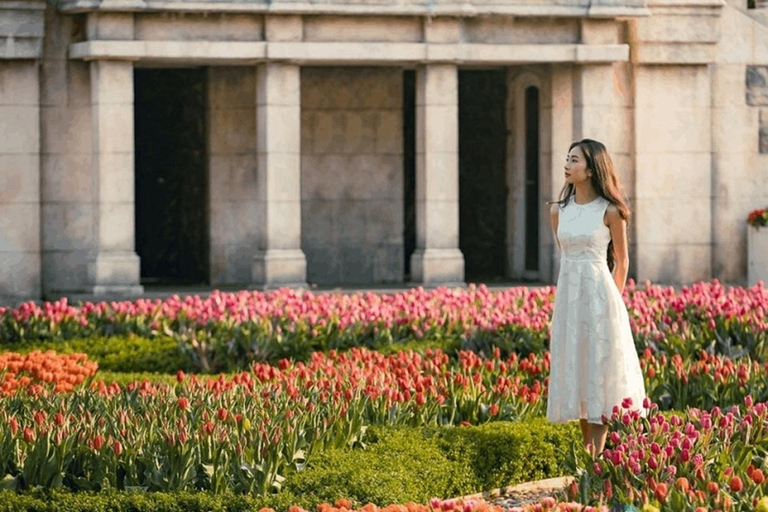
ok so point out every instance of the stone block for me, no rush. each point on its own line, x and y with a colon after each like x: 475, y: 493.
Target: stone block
x: 442, y: 30
x: 65, y: 130
x: 362, y: 28
x: 116, y: 177
x: 351, y: 223
x: 64, y: 271
x: 283, y: 28
x: 242, y: 177
x: 598, y: 31
x: 19, y: 227
x: 763, y: 141
x: 19, y: 83
x: 323, y: 266
x: 232, y: 131
x: 20, y: 178
x: 110, y: 25
x: 389, y: 132
x: 231, y: 87
x: 521, y: 30
x: 438, y: 224
x: 53, y: 83
x: 21, y: 24
x: 757, y: 85
x: 67, y: 227
x: 675, y: 53
x: 673, y: 87
x: 381, y: 175
x: 595, y: 85
x: 275, y: 268
x: 231, y: 265
x: 20, y: 126
x: 330, y: 132
x: 279, y: 176
x: 79, y: 84
x: 278, y: 129
x: 67, y: 178
x: 733, y: 178
x: 437, y: 129
x: 437, y: 267
x: 58, y: 33
x: 20, y: 275
x: 278, y: 84
x: 681, y: 264
x: 236, y: 223
x: 283, y: 224
x: 114, y: 131
x: 308, y: 127
x: 111, y: 83
x: 440, y: 179
x: 114, y: 273
x: 388, y: 264
x: 318, y: 224
x: 322, y: 176
x: 678, y: 29
x: 739, y: 40
x: 356, y: 265
x: 728, y: 85
x: 673, y: 175
x: 383, y: 223
x: 198, y: 27
x: 757, y: 256
x: 735, y: 129
x: 665, y: 130
x: 673, y: 221
x: 437, y: 84
x: 116, y: 227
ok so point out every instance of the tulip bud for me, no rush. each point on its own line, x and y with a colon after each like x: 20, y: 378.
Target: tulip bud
x: 117, y: 447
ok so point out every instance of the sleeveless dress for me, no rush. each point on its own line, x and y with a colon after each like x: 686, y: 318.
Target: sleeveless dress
x: 594, y: 364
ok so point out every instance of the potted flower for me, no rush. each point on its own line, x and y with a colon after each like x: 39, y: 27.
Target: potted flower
x: 757, y: 246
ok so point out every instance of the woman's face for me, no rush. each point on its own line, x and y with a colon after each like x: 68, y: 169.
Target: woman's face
x: 576, y: 166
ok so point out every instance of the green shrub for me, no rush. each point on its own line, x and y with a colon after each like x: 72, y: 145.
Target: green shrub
x: 416, y: 464
x: 121, y: 353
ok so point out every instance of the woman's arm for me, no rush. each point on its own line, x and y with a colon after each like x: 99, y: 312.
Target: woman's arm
x: 618, y: 227
x: 554, y: 212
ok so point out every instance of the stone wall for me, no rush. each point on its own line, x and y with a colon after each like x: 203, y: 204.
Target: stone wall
x: 352, y: 175
x: 67, y: 188
x: 19, y: 180
x: 739, y: 166
x: 235, y: 214
x: 673, y: 186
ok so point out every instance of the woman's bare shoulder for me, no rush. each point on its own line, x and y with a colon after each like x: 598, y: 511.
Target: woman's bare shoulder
x: 554, y: 209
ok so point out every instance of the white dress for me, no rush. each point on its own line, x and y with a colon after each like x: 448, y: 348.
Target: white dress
x: 594, y: 364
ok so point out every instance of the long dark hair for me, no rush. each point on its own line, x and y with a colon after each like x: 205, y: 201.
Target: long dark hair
x: 604, y: 180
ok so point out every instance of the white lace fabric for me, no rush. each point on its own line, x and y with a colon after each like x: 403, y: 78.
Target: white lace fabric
x: 594, y: 365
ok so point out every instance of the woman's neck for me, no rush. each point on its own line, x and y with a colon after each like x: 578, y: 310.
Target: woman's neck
x: 584, y: 193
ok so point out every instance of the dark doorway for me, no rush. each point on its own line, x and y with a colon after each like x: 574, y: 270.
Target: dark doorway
x: 409, y: 168
x: 532, y: 179
x: 172, y: 236
x: 482, y: 174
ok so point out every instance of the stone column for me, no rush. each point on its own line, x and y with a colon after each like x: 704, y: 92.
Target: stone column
x: 279, y: 260
x: 113, y: 265
x: 437, y: 259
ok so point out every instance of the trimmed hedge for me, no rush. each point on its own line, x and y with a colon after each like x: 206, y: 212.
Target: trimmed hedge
x: 399, y: 465
x: 407, y: 464
x: 121, y: 353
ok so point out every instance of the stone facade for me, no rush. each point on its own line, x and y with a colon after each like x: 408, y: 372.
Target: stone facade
x: 307, y: 125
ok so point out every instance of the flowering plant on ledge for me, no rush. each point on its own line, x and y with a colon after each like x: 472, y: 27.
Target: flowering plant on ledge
x: 758, y: 218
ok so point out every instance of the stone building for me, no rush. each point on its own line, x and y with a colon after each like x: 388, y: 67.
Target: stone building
x: 235, y: 143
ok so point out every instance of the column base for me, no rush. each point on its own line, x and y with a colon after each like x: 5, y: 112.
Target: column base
x: 279, y: 268
x: 111, y: 274
x: 443, y: 267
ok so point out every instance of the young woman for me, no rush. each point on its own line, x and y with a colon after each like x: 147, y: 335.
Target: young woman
x: 594, y: 365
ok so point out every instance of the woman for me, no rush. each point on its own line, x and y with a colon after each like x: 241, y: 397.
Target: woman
x: 594, y: 365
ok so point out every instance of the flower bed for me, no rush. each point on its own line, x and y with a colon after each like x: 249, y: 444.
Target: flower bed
x: 36, y: 371
x: 709, y: 459
x: 229, y: 330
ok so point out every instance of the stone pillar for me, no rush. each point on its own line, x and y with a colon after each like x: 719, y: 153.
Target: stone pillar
x: 437, y: 259
x: 279, y: 260
x: 113, y: 265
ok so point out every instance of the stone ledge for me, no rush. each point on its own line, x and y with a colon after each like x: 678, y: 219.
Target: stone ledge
x: 575, y: 8
x: 344, y: 53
